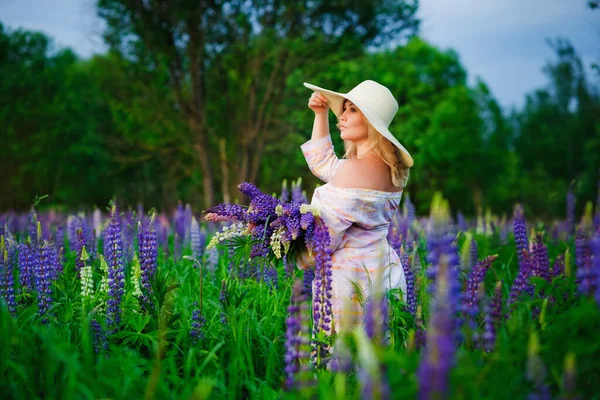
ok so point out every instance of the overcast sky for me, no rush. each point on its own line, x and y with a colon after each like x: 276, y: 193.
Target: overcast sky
x: 503, y: 42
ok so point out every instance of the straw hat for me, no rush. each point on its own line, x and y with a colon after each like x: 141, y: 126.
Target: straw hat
x: 377, y: 104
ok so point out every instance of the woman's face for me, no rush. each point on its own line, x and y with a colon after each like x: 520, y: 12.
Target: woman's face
x: 352, y: 125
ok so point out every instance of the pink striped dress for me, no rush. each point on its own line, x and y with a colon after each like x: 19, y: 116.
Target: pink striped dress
x: 358, y: 221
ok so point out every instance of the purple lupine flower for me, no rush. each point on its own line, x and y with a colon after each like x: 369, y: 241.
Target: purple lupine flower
x: 180, y: 228
x: 322, y: 292
x: 197, y: 239
x: 99, y: 337
x: 226, y: 212
x: 116, y: 275
x: 594, y: 269
x: 476, y: 278
x: 285, y: 194
x: 373, y: 383
x: 409, y: 210
x: 376, y: 319
x: 570, y: 212
x: 297, y: 193
x: 541, y: 262
x: 79, y: 243
x: 473, y: 254
x: 249, y: 190
x: 33, y: 226
x: 271, y: 278
x: 489, y: 333
x: 296, y: 338
x: 495, y: 306
x: 559, y: 266
x: 411, y: 296
x: 309, y: 276
x: 438, y: 358
x: 128, y: 237
x: 56, y: 266
x: 521, y: 283
x: 520, y: 232
x: 60, y: 236
x: 148, y: 252
x: 198, y: 321
x: 587, y: 276
x: 26, y: 266
x: 439, y: 243
x: 43, y: 273
x: 7, y: 275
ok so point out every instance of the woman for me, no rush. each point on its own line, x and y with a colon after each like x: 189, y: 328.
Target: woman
x: 361, y: 194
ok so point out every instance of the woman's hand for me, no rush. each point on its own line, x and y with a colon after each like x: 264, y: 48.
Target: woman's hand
x: 318, y: 103
x: 305, y: 260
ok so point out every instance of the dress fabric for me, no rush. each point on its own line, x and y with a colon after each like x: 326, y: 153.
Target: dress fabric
x: 358, y: 221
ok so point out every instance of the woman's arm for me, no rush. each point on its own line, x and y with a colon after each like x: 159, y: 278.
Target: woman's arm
x: 318, y: 103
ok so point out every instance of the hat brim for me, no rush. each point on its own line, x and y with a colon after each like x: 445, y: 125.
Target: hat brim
x: 336, y: 104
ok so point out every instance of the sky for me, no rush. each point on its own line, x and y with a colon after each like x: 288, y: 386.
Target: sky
x: 501, y: 42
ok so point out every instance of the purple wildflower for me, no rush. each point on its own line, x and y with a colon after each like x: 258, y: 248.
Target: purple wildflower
x: 198, y: 321
x: 559, y: 266
x: 521, y: 283
x: 309, y: 276
x: 473, y: 254
x: 26, y: 266
x: 476, y: 278
x: 411, y: 296
x: 271, y: 278
x: 587, y: 276
x: 99, y: 338
x: 79, y: 243
x: 148, y: 251
x: 377, y: 319
x: 116, y: 275
x: 43, y: 274
x: 570, y: 212
x: 197, y: 238
x: 285, y: 195
x: 540, y: 257
x: 520, y: 232
x: 438, y: 359
x: 495, y: 306
x: 7, y: 276
x: 296, y: 337
x: 298, y: 195
x: 322, y: 292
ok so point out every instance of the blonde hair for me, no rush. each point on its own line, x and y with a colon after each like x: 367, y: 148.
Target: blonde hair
x: 390, y: 154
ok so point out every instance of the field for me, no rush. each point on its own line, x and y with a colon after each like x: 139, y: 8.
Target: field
x: 147, y: 312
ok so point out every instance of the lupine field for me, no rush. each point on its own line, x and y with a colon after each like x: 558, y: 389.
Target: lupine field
x: 129, y: 303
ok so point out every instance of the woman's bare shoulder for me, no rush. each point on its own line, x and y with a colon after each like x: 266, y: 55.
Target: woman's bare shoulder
x: 365, y: 173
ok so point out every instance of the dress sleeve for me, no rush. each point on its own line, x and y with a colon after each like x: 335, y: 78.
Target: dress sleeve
x: 321, y: 158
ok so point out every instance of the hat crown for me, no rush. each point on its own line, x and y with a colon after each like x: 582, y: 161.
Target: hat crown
x: 376, y: 99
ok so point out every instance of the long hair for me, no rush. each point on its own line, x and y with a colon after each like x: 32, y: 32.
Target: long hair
x: 390, y: 154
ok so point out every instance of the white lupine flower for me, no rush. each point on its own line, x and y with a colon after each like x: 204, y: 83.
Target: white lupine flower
x: 276, y: 242
x: 228, y: 232
x: 309, y: 208
x: 279, y: 210
x: 104, y: 282
x: 136, y: 273
x: 87, y: 280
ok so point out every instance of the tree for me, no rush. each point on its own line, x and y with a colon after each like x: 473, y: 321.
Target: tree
x: 214, y: 49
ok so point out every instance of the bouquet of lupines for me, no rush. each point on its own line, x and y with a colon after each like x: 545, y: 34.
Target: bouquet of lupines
x: 273, y: 228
